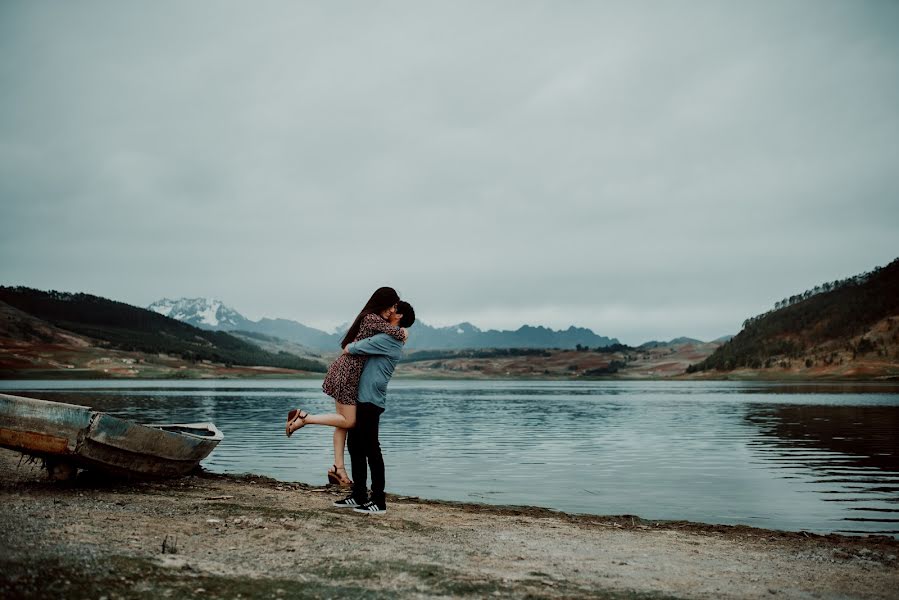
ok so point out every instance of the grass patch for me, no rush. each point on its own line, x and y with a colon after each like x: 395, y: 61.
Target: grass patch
x: 130, y: 577
x: 440, y: 581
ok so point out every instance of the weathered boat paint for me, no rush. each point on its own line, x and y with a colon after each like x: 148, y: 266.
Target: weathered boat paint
x: 53, y: 427
x: 78, y: 435
x: 40, y: 442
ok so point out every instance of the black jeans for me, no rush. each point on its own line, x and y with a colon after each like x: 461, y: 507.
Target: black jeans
x: 362, y: 441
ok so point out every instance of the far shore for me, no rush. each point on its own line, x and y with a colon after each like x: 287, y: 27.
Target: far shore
x: 25, y: 360
x: 216, y: 536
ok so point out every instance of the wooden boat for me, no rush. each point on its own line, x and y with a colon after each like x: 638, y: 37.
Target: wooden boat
x: 69, y: 437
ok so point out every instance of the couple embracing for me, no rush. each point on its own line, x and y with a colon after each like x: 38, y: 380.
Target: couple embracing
x: 357, y: 381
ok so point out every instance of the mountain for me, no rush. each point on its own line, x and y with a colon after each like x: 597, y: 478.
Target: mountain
x: 467, y: 336
x: 831, y: 328
x: 214, y: 315
x: 123, y: 327
x: 206, y: 313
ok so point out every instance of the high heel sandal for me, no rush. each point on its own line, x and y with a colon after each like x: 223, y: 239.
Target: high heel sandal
x: 335, y: 478
x: 292, y: 417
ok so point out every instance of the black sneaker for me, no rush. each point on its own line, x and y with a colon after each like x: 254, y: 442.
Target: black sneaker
x: 348, y: 502
x: 370, y: 508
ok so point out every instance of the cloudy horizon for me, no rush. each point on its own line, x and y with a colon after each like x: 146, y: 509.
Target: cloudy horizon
x: 645, y: 169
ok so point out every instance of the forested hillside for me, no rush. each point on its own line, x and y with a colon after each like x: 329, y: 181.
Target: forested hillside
x: 840, y: 320
x: 125, y: 327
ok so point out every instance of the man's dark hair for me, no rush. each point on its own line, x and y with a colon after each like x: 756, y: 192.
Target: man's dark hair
x: 405, y: 309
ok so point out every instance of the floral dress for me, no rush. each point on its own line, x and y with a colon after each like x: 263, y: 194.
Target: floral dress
x: 342, y: 380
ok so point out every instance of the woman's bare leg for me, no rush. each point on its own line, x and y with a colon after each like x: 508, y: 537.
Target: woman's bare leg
x: 349, y: 413
x: 339, y: 447
x: 344, y: 418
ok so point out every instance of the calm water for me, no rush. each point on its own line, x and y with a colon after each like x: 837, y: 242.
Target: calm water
x: 813, y: 457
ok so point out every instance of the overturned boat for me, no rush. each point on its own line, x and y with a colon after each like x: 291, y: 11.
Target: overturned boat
x: 68, y: 437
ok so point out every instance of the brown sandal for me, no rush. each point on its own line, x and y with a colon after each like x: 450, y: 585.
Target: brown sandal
x: 292, y: 417
x: 335, y: 478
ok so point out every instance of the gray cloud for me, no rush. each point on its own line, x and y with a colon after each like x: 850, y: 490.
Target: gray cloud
x: 644, y: 169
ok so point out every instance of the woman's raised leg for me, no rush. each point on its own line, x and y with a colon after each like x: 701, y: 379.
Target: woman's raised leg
x: 345, y: 418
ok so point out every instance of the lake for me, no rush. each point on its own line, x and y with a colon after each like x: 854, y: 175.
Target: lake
x: 815, y: 457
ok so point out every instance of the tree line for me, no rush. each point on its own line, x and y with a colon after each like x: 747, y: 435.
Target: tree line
x: 837, y: 311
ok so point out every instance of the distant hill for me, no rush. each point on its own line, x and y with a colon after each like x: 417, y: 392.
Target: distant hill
x: 617, y: 362
x: 833, y: 324
x: 275, y: 344
x: 125, y: 327
x: 213, y: 315
x: 297, y: 333
x: 678, y: 341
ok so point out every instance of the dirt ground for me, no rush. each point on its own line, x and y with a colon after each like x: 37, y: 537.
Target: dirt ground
x: 209, y: 536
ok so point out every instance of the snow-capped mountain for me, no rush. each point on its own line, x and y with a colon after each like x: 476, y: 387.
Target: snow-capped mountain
x: 206, y: 313
x: 209, y: 313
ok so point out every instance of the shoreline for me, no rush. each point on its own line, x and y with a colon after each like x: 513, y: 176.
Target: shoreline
x: 62, y: 375
x: 253, y: 535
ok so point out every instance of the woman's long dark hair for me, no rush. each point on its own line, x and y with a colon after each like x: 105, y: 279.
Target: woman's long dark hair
x: 381, y: 300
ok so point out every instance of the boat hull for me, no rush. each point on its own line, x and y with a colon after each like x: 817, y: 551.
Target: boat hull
x: 80, y: 436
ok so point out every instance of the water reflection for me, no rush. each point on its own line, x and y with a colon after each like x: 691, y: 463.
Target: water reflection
x: 865, y: 436
x: 842, y: 454
x: 821, y: 458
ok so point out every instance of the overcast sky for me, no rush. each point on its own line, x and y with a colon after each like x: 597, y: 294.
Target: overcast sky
x: 647, y: 170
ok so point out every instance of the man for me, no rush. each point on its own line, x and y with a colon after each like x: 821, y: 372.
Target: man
x: 362, y: 440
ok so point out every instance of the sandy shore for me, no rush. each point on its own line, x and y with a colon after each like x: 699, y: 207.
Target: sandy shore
x: 209, y: 536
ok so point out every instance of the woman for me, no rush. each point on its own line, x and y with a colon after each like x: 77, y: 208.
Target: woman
x: 342, y: 380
